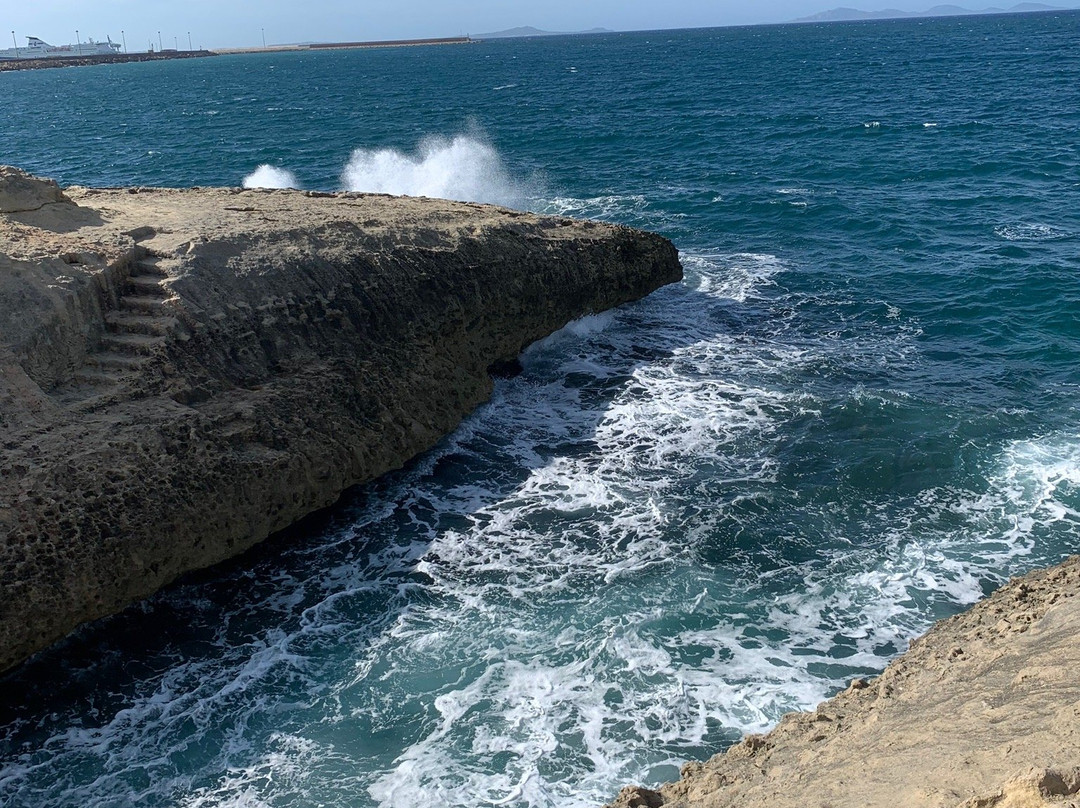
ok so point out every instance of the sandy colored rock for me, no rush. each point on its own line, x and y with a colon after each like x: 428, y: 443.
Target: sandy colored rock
x: 983, y: 711
x: 1034, y: 788
x: 184, y: 372
x: 20, y: 191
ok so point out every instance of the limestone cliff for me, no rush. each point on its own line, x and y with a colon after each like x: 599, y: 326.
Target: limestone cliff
x: 183, y: 372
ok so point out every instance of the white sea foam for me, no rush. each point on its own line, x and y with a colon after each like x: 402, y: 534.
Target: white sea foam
x: 733, y: 277
x: 611, y: 206
x: 1028, y: 231
x: 464, y: 167
x: 583, y: 524
x: 839, y: 614
x: 1035, y: 486
x: 582, y: 327
x: 281, y: 775
x: 268, y: 176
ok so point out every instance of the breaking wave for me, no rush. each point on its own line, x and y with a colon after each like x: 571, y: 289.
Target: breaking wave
x: 464, y: 168
x: 268, y: 176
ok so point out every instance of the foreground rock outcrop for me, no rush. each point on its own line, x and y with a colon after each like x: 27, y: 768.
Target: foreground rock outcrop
x: 983, y: 711
x: 183, y: 373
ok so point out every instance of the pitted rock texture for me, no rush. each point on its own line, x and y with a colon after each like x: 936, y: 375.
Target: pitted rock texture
x: 983, y: 711
x: 184, y: 372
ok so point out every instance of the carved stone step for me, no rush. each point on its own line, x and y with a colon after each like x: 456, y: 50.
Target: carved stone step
x: 149, y: 285
x: 125, y: 322
x: 132, y: 343
x: 150, y: 266
x: 110, y: 360
x: 99, y: 377
x: 144, y: 303
x: 79, y: 401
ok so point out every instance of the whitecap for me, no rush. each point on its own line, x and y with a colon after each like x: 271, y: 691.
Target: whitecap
x: 1028, y: 231
x: 611, y: 206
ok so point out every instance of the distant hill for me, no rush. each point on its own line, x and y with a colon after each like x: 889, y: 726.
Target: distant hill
x: 528, y: 30
x: 846, y: 14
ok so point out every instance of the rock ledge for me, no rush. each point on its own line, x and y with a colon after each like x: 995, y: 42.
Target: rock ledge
x: 183, y: 373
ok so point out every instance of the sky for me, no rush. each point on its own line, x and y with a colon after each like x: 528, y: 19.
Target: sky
x: 243, y: 23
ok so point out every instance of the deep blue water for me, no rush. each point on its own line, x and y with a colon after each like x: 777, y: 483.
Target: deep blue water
x: 858, y: 414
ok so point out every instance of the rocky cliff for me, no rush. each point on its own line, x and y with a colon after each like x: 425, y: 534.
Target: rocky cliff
x: 981, y: 712
x: 183, y: 372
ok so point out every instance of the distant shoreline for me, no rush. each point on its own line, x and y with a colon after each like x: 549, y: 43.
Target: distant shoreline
x: 388, y: 43
x: 118, y: 58
x: 937, y: 12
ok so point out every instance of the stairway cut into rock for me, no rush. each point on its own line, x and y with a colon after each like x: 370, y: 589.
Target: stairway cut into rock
x: 136, y: 332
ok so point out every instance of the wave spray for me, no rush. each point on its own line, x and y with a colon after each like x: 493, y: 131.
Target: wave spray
x: 463, y: 168
x: 268, y: 176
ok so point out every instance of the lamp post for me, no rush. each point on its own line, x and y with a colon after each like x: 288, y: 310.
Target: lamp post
x: 160, y: 47
x: 176, y: 43
x: 264, y: 37
x: 79, y: 40
x: 124, y: 38
x: 189, y: 41
x: 16, y: 43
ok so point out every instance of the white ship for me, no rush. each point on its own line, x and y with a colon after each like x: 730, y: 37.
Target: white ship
x: 40, y: 49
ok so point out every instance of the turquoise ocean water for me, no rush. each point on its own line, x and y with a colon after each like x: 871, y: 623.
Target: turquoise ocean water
x: 858, y: 414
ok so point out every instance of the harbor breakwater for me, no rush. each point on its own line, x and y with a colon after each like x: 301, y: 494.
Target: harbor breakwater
x: 185, y: 372
x: 104, y: 59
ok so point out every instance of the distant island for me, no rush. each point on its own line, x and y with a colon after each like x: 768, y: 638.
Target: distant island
x: 528, y: 30
x: 848, y: 14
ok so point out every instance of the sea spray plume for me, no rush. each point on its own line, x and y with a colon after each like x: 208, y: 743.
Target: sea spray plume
x: 463, y: 168
x: 268, y: 176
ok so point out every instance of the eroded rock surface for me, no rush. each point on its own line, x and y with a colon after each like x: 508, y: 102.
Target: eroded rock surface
x: 20, y: 191
x: 983, y: 711
x: 184, y: 372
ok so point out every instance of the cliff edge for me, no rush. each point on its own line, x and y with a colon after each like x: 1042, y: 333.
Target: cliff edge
x: 983, y: 711
x: 184, y: 372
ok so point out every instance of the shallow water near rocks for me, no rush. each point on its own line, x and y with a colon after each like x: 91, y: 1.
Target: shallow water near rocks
x: 858, y: 413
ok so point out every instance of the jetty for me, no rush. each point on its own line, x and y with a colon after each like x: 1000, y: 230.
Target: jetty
x: 100, y: 59
x: 379, y: 43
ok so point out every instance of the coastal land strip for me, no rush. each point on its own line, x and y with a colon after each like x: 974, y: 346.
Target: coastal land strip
x: 377, y: 43
x: 983, y: 711
x: 8, y: 65
x: 185, y: 372
x: 162, y: 55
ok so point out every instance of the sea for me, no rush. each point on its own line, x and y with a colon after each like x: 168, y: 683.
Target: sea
x: 857, y: 414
